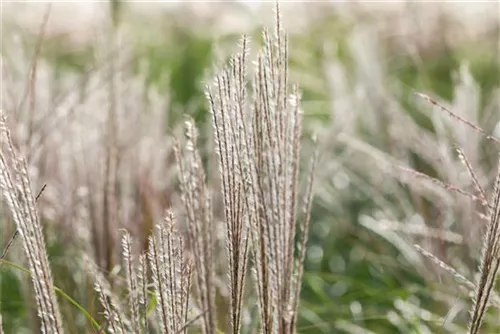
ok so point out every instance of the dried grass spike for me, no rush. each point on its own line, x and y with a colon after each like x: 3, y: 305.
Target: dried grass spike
x: 16, y: 187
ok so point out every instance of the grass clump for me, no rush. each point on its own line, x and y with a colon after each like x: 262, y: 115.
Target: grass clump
x: 257, y: 139
x: 217, y: 233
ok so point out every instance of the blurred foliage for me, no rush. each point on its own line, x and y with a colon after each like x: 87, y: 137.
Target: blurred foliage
x: 179, y: 68
x: 13, y: 307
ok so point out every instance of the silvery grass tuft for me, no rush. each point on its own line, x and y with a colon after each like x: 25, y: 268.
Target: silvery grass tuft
x: 257, y: 138
x: 258, y: 146
x: 482, y: 290
x: 490, y: 258
x: 196, y: 199
x: 16, y: 187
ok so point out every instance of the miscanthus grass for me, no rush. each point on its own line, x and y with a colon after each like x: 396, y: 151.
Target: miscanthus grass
x: 482, y: 291
x: 17, y: 192
x: 257, y: 127
x: 490, y: 258
x: 171, y: 281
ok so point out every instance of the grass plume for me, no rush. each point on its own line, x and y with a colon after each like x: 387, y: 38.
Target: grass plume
x: 258, y: 145
x: 16, y: 186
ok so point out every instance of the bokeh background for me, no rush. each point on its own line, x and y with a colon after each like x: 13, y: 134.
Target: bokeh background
x: 358, y: 65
